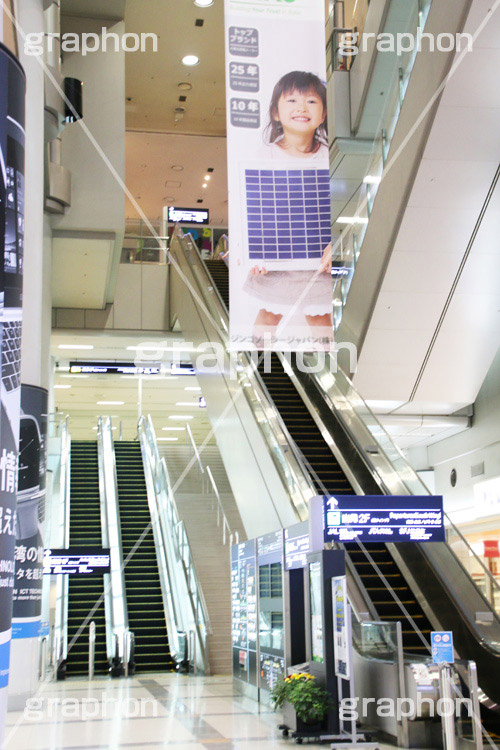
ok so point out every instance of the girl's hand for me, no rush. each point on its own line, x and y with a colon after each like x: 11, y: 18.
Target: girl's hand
x: 256, y: 271
x: 325, y: 265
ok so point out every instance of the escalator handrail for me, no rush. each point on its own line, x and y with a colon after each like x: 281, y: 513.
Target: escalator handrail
x: 392, y: 481
x: 115, y: 601
x: 283, y: 449
x: 62, y: 584
x: 184, y: 604
x: 290, y: 456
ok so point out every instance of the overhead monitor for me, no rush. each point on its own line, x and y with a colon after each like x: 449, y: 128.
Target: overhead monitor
x: 178, y: 215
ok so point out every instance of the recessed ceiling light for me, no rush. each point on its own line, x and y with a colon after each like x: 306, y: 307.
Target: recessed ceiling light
x: 177, y: 167
x: 75, y: 346
x: 193, y: 404
x: 169, y: 199
x: 184, y: 86
x: 352, y: 220
x: 110, y: 403
x: 204, y: 185
x: 181, y: 416
x: 190, y: 60
x: 96, y: 428
x: 75, y: 376
x: 62, y: 386
x: 207, y: 177
x: 164, y: 440
x: 192, y: 388
x: 173, y: 429
x: 204, y: 3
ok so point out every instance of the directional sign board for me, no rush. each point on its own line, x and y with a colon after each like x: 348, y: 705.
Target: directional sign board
x: 383, y: 518
x: 442, y: 647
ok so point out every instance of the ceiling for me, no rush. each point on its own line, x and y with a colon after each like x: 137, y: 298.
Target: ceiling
x: 160, y: 394
x: 154, y: 184
x: 152, y: 78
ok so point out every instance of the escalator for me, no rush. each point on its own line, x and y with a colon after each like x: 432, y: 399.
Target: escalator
x: 329, y: 478
x: 146, y: 616
x: 85, y: 591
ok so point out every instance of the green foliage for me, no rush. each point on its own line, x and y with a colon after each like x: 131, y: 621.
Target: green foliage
x: 310, y: 701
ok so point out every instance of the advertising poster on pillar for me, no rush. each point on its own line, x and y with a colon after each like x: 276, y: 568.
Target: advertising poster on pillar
x: 12, y: 92
x: 27, y: 606
x: 278, y: 175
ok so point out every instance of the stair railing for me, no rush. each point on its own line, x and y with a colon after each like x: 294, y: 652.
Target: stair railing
x: 227, y: 534
x: 115, y: 602
x: 60, y: 633
x: 184, y: 604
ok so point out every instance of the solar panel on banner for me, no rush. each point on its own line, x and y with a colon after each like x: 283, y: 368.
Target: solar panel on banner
x: 288, y: 214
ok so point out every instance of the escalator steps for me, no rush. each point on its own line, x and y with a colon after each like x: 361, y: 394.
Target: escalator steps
x: 327, y: 475
x: 146, y: 615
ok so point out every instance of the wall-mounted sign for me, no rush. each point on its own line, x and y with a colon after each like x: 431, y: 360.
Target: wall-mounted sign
x: 296, y: 548
x: 340, y: 627
x: 188, y: 215
x: 76, y: 561
x: 442, y: 647
x: 383, y: 518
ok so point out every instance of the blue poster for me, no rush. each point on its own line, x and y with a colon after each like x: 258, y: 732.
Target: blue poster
x: 442, y: 647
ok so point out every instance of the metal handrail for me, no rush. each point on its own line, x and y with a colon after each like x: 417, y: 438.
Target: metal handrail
x: 222, y: 512
x: 184, y: 602
x: 115, y: 602
x: 60, y: 635
x: 195, y: 449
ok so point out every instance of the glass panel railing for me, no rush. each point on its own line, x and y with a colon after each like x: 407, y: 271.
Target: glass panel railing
x: 186, y: 614
x: 115, y: 603
x: 243, y: 366
x: 348, y: 246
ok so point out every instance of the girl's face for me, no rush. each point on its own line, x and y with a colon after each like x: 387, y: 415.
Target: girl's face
x: 300, y: 113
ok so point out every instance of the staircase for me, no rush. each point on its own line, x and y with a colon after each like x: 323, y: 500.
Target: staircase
x: 211, y: 557
x: 85, y: 591
x: 146, y: 617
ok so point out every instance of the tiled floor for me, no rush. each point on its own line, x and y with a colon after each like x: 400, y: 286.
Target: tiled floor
x: 149, y: 711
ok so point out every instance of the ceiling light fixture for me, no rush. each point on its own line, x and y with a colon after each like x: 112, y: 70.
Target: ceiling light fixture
x: 110, y: 403
x: 192, y: 388
x: 173, y: 429
x: 181, y: 416
x: 62, y: 386
x: 352, y: 220
x: 187, y: 403
x: 177, y: 167
x: 75, y: 346
x: 184, y: 86
x: 207, y: 177
x: 164, y: 440
x: 203, y: 3
x: 190, y: 60
x: 204, y: 185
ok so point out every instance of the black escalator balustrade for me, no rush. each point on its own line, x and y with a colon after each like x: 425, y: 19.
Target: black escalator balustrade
x: 328, y: 476
x: 85, y: 591
x: 146, y: 617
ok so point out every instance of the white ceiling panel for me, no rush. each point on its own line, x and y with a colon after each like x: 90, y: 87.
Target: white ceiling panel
x: 402, y: 311
x: 469, y: 142
x: 437, y: 233
x: 413, y: 272
x: 475, y: 83
x: 451, y: 185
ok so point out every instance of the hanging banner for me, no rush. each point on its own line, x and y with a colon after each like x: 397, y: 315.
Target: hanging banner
x: 12, y: 92
x: 278, y: 175
x: 29, y: 554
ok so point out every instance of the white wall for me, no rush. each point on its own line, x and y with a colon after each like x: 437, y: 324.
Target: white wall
x: 467, y: 449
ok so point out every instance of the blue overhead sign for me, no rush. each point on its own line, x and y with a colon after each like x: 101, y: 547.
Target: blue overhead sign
x: 442, y: 647
x: 383, y: 518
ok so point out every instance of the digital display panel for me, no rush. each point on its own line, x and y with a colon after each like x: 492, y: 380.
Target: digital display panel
x: 383, y: 518
x: 76, y: 561
x: 188, y: 215
x: 244, y: 611
x: 114, y: 368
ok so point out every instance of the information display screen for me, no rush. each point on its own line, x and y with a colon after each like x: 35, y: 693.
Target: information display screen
x: 271, y: 625
x: 383, y: 518
x: 114, y: 368
x: 188, y: 215
x: 76, y: 561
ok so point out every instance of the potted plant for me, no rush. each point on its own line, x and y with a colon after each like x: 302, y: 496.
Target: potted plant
x: 310, y: 701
